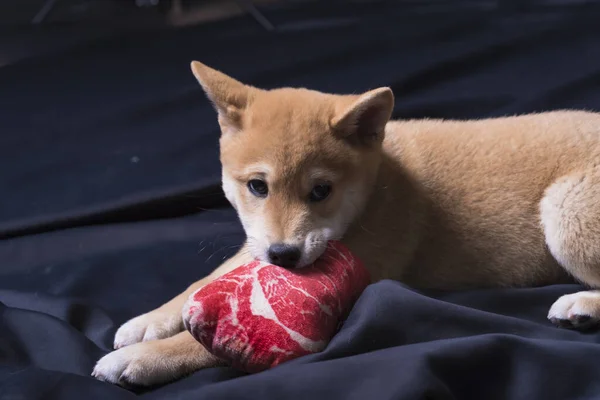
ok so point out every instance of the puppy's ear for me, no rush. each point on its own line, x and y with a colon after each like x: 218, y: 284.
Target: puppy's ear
x: 229, y: 97
x: 363, y: 119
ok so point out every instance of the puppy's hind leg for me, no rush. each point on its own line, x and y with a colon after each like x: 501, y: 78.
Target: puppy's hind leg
x: 570, y: 215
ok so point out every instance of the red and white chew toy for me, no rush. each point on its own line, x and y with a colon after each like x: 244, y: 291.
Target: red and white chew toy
x: 260, y: 315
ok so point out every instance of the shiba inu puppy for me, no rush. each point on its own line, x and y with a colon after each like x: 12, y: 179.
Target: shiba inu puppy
x: 511, y: 201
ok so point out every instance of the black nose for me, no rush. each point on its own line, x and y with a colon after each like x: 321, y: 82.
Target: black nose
x: 284, y: 255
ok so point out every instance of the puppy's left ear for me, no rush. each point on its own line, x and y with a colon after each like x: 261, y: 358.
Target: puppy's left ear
x: 363, y: 121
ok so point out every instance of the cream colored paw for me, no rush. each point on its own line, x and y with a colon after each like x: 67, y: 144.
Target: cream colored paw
x: 151, y: 326
x: 579, y: 310
x: 138, y: 365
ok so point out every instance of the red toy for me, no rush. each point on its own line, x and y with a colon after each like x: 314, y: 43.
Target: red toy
x: 260, y: 315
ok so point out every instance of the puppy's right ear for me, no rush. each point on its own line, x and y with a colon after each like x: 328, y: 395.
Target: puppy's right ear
x: 229, y: 97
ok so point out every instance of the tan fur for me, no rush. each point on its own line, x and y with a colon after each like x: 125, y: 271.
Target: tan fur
x: 436, y: 204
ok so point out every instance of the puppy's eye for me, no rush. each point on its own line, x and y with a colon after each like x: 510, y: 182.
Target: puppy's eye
x: 258, y: 187
x: 320, y: 192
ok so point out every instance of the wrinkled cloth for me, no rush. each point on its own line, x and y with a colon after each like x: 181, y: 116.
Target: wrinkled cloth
x: 111, y: 200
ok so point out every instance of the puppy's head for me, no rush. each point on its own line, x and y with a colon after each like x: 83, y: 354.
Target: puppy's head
x: 298, y: 165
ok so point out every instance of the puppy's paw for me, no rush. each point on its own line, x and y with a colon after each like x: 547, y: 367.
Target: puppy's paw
x: 576, y: 311
x: 151, y: 326
x: 138, y: 365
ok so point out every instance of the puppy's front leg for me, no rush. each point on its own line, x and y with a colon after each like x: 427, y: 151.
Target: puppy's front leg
x: 147, y: 360
x: 166, y: 320
x: 162, y: 322
x: 154, y: 362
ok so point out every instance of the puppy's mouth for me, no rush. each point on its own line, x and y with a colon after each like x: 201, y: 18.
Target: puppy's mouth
x: 309, y: 259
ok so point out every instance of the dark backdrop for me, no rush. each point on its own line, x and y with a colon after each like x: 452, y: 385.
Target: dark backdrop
x: 110, y: 201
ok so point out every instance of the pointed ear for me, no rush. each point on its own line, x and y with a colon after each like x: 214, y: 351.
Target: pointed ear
x: 229, y: 97
x: 363, y: 121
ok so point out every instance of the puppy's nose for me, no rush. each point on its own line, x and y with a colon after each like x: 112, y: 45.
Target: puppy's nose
x: 284, y: 255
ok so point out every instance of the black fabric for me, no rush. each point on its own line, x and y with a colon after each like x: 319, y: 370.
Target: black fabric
x: 111, y: 204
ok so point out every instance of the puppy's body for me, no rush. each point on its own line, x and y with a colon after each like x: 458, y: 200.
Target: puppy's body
x: 457, y: 203
x: 435, y: 204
